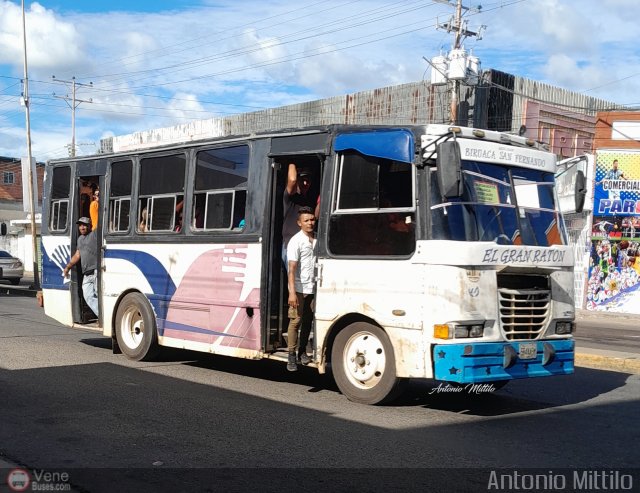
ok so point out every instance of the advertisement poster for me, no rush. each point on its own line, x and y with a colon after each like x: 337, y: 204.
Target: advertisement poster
x: 614, y: 266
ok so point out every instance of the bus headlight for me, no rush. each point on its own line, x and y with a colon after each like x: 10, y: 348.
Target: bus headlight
x: 476, y: 330
x: 564, y: 327
x: 458, y: 331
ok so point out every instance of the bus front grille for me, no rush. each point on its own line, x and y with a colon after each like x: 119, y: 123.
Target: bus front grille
x: 523, y: 313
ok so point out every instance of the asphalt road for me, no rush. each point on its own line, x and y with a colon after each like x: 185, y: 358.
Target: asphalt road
x: 609, y: 333
x: 196, y: 422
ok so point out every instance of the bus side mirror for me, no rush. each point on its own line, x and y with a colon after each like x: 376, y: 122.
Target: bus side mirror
x: 3, y: 229
x: 448, y: 169
x: 580, y: 191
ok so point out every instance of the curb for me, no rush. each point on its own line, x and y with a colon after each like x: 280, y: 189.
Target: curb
x: 590, y: 315
x: 18, y: 291
x: 621, y: 362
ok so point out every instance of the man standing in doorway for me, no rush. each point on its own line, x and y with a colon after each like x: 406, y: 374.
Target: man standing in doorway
x: 296, y: 195
x: 87, y: 254
x: 301, y: 254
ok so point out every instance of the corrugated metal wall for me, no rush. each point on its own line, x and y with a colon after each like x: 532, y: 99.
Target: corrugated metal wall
x: 573, y: 102
x: 414, y: 103
x: 497, y: 105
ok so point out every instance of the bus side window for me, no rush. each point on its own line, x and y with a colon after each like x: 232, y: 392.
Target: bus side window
x: 220, y: 191
x: 239, y: 209
x: 60, y: 191
x: 120, y: 196
x: 161, y: 192
x: 374, y: 213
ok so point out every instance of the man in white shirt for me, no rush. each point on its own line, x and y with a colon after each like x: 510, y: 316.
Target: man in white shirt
x: 301, y: 255
x: 296, y: 195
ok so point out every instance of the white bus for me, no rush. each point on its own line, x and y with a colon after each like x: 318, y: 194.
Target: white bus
x: 441, y: 253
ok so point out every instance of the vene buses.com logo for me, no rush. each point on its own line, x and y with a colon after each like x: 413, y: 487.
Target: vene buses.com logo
x: 18, y: 480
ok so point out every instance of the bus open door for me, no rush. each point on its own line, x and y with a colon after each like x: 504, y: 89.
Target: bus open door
x: 68, y: 198
x: 307, y: 154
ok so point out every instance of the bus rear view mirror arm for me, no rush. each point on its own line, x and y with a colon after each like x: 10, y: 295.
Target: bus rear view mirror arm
x: 448, y: 168
x: 580, y: 191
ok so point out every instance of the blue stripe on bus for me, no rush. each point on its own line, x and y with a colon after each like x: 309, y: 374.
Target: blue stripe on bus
x: 52, y: 270
x: 156, y: 275
x: 162, y: 286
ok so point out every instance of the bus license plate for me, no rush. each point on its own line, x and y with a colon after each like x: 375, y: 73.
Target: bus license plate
x: 528, y: 350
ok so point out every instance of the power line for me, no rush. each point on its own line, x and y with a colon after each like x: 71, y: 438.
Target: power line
x: 258, y: 47
x: 73, y: 103
x: 218, y: 40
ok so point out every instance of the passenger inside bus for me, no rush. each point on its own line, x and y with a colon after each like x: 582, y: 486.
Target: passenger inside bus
x: 142, y: 225
x: 94, y: 207
x: 198, y: 216
x: 88, y: 186
x: 178, y: 218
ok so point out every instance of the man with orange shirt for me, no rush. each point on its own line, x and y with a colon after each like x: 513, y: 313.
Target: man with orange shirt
x: 93, y: 209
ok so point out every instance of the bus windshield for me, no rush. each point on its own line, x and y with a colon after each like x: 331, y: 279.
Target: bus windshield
x: 510, y: 206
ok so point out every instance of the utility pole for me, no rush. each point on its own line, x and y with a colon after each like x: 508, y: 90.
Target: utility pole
x: 32, y: 206
x: 460, y: 32
x: 453, y: 112
x: 73, y: 103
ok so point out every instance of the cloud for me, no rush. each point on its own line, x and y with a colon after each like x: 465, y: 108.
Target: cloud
x: 51, y: 42
x: 578, y: 47
x: 113, y: 102
x: 262, y: 96
x: 565, y: 28
x: 569, y: 73
x: 336, y: 73
x: 186, y: 107
x: 265, y: 52
x: 11, y: 139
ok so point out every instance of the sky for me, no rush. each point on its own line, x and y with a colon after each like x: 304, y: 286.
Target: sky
x: 140, y: 65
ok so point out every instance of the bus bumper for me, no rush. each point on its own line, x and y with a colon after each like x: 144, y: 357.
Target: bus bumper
x: 492, y: 361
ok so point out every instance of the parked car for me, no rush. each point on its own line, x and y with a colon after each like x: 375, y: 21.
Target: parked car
x: 11, y: 268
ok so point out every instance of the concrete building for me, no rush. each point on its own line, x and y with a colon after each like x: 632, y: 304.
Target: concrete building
x: 17, y: 222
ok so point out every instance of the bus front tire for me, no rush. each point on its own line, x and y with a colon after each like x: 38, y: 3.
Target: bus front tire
x: 363, y: 364
x: 136, y: 328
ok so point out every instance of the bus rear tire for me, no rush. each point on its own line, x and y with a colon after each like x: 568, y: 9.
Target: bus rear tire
x: 136, y: 331
x: 363, y: 364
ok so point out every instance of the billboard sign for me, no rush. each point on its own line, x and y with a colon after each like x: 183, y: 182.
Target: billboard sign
x: 614, y: 266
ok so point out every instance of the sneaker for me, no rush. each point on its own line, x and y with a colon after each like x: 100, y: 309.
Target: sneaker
x: 291, y: 364
x: 305, y: 359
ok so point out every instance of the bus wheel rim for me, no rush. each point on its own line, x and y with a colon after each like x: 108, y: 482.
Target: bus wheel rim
x: 132, y: 328
x: 364, y: 360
